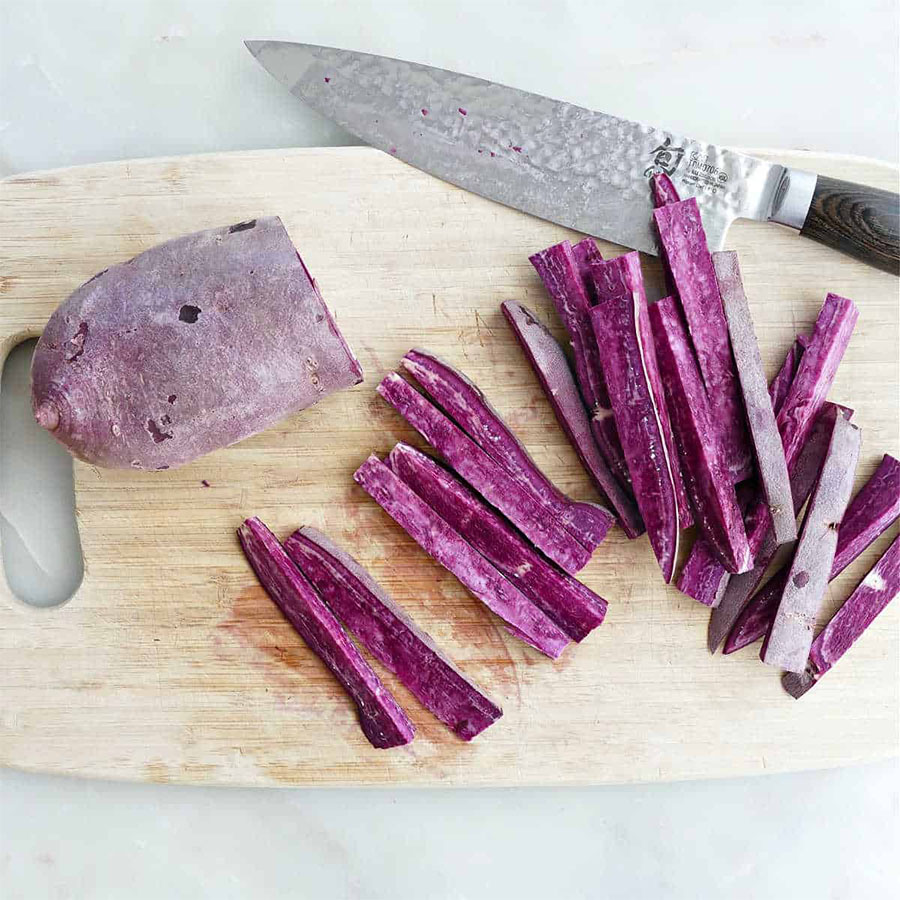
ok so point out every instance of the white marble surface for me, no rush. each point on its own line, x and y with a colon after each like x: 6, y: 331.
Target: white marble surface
x: 88, y: 81
x: 815, y: 835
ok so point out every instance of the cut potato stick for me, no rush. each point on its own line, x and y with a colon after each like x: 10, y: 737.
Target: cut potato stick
x: 382, y: 720
x: 622, y: 328
x: 686, y: 256
x: 561, y: 274
x: 486, y: 476
x: 703, y: 577
x: 789, y: 638
x: 575, y: 608
x: 444, y: 544
x: 872, y: 595
x: 871, y: 512
x: 551, y: 367
x: 467, y: 406
x: 706, y: 475
x: 390, y: 635
x: 770, y: 463
x: 741, y: 587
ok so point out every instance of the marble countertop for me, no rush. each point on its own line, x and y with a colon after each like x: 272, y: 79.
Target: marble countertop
x: 93, y: 81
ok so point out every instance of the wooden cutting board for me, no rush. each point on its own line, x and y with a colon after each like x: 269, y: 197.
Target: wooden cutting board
x: 171, y: 664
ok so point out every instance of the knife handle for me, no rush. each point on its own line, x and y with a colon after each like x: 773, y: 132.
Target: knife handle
x: 861, y: 221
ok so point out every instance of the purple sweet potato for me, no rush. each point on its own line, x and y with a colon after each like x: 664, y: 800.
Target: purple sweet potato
x: 551, y: 367
x: 622, y: 328
x: 740, y: 588
x: 618, y: 281
x: 586, y: 253
x: 383, y: 721
x: 686, y: 256
x: 871, y: 512
x: 443, y: 543
x: 874, y: 509
x: 770, y: 463
x: 190, y: 346
x: 663, y: 190
x: 702, y: 577
x: 558, y: 270
x: 390, y: 635
x: 860, y: 609
x: 561, y: 275
x: 781, y: 383
x: 467, y: 406
x: 486, y: 476
x: 816, y: 372
x: 575, y: 608
x: 703, y: 464
x: 790, y: 635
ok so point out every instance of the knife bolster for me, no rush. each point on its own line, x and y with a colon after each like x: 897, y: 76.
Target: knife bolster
x: 793, y: 197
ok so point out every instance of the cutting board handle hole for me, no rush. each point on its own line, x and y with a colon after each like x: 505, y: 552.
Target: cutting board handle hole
x: 38, y: 533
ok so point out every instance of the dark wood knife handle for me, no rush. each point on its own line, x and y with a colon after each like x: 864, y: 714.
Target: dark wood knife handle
x: 861, y: 221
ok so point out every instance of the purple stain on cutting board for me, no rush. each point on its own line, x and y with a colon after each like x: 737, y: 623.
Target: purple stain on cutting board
x: 277, y: 655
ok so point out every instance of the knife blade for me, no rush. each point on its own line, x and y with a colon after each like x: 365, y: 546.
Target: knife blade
x: 577, y: 167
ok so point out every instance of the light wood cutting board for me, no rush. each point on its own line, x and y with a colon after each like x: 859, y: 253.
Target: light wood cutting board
x: 171, y: 664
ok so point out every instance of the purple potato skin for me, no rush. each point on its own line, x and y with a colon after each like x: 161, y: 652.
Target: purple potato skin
x: 192, y: 345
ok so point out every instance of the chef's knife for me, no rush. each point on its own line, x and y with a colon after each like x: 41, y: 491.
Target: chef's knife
x: 583, y: 169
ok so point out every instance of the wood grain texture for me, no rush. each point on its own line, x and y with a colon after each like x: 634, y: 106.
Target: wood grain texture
x: 856, y: 219
x: 170, y: 664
